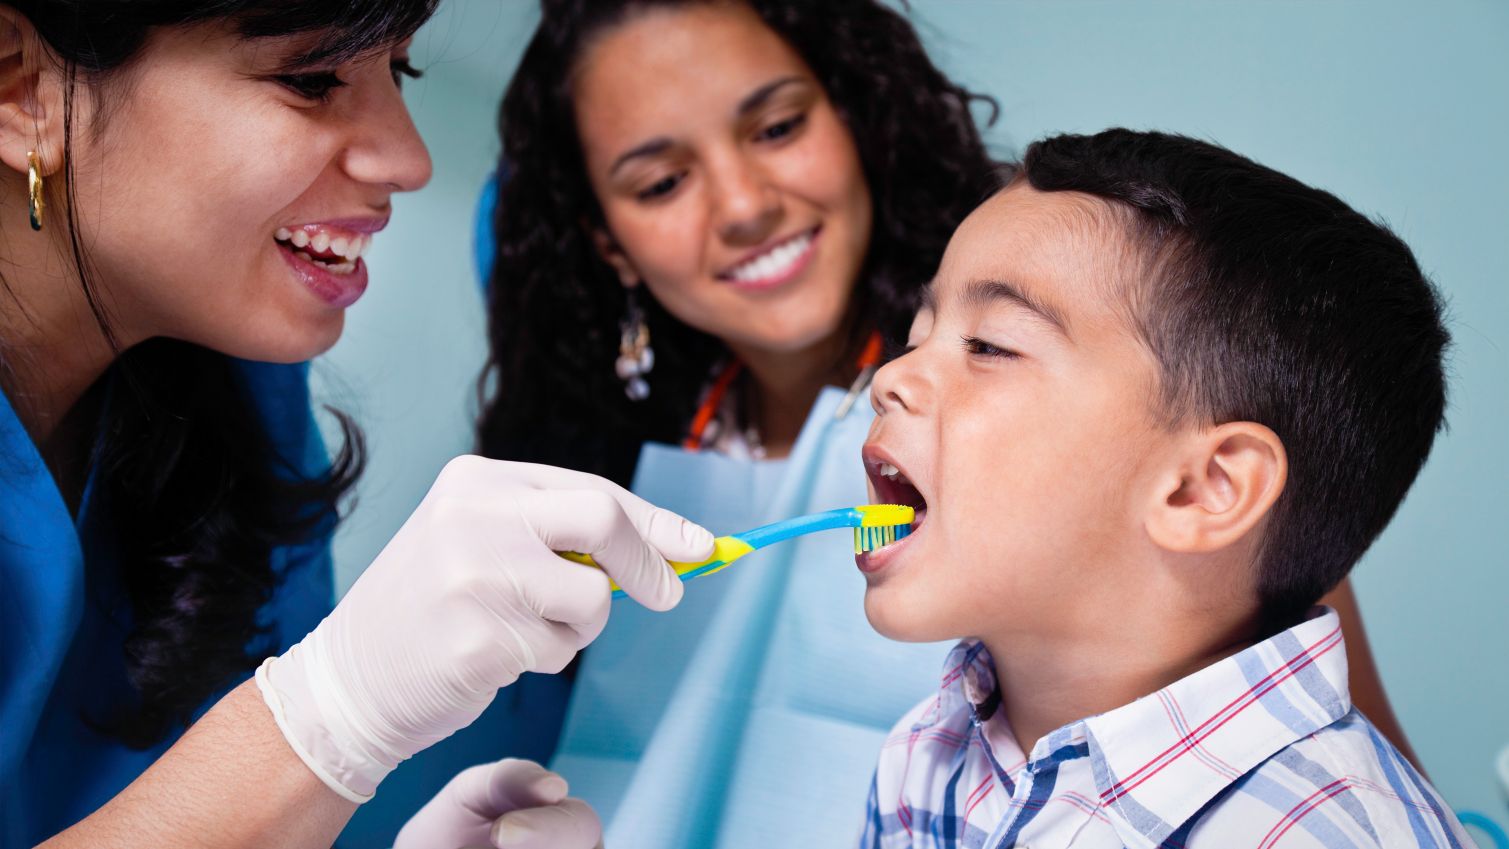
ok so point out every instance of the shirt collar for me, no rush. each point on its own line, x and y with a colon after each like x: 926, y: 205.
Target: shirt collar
x: 1160, y: 759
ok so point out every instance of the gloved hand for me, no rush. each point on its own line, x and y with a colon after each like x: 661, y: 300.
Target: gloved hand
x: 466, y: 597
x: 510, y: 804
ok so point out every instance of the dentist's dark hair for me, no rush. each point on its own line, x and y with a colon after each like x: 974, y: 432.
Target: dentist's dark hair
x: 198, y: 497
x: 1266, y: 300
x: 555, y: 305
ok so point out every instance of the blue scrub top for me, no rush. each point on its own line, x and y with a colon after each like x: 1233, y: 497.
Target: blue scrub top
x: 64, y: 615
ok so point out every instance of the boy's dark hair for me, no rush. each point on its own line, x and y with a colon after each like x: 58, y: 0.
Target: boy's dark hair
x: 1269, y: 301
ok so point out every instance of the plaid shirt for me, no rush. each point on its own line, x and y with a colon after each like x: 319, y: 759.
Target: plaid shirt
x: 1262, y: 749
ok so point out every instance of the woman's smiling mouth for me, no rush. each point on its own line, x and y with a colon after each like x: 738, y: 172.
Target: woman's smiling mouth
x: 775, y: 264
x: 327, y: 257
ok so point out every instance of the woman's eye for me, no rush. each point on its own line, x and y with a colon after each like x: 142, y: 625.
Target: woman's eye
x: 782, y: 129
x: 660, y: 188
x: 311, y: 86
x: 401, y: 68
x: 979, y: 347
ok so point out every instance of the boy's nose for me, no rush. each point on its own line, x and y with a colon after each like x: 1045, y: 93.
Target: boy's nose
x: 899, y: 386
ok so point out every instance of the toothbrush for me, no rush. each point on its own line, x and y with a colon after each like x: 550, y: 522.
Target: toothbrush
x: 874, y: 525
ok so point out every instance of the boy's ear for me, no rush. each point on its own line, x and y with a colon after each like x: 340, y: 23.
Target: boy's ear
x: 1223, y: 486
x: 609, y: 250
x: 31, y: 96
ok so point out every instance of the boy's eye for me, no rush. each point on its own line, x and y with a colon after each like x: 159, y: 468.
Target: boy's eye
x: 979, y: 347
x: 401, y: 68
x: 316, y: 85
x: 781, y: 129
x: 660, y: 188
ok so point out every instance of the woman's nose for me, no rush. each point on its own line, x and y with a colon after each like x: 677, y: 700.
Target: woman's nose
x: 386, y: 149
x: 746, y: 203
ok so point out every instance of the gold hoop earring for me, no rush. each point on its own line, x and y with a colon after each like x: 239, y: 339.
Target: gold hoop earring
x: 34, y: 189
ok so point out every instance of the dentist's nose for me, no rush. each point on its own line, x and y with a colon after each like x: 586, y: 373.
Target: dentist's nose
x: 385, y: 148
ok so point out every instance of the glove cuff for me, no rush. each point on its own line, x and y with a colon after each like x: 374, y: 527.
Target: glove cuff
x: 318, y: 727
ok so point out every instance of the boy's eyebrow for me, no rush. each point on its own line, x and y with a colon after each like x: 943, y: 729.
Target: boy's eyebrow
x: 979, y: 294
x: 660, y: 144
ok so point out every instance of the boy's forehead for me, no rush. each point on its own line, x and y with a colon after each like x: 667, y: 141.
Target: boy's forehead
x: 1063, y: 249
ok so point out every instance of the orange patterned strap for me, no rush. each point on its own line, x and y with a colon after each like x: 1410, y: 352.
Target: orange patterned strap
x: 713, y: 400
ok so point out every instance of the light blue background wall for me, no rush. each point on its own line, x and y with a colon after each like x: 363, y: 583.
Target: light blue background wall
x: 1402, y: 109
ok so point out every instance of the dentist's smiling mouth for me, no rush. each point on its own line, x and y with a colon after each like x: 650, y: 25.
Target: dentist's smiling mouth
x: 327, y: 256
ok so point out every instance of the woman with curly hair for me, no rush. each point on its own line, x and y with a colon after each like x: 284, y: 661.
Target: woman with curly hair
x: 715, y: 215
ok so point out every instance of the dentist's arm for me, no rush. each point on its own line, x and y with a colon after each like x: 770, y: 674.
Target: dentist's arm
x: 467, y: 596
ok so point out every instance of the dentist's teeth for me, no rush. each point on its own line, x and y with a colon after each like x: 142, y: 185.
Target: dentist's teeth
x: 283, y: 234
x: 299, y: 238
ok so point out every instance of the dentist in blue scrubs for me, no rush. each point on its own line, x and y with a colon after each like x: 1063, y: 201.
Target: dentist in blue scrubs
x: 700, y: 243
x: 188, y: 188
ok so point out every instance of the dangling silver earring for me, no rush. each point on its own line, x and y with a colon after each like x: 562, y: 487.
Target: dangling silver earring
x: 635, y: 356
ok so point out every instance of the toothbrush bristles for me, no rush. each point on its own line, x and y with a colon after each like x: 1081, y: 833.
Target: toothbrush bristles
x: 869, y: 539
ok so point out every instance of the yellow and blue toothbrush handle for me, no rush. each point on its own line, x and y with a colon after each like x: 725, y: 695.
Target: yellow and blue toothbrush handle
x: 873, y: 523
x: 725, y: 551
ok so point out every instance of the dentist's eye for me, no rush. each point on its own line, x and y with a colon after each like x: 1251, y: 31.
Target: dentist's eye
x: 316, y: 86
x: 979, y: 347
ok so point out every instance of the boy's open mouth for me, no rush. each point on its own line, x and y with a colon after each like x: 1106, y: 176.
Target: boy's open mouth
x: 892, y: 486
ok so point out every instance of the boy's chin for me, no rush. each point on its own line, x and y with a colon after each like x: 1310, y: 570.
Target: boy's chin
x: 899, y: 617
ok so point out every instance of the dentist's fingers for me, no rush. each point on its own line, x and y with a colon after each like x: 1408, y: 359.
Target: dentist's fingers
x: 673, y: 536
x: 594, y: 522
x: 570, y: 824
x: 508, y: 785
x: 465, y: 813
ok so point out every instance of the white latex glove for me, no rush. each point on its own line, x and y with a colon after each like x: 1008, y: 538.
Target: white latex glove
x: 466, y: 597
x: 510, y: 804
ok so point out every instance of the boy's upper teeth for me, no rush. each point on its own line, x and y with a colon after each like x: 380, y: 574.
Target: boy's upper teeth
x: 349, y: 246
x: 889, y: 471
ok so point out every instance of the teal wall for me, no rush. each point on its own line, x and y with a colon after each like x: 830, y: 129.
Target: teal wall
x: 1401, y: 109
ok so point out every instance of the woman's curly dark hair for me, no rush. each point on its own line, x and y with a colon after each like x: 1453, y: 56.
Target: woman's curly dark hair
x: 554, y: 304
x: 197, y: 495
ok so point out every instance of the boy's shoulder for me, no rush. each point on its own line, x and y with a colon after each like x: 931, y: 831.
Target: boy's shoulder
x: 1341, y: 785
x: 1263, y: 746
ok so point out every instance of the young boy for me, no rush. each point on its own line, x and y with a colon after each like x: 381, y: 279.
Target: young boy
x: 1158, y: 401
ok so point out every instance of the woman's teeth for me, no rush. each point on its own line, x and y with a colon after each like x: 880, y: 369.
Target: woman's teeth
x: 775, y: 262
x: 338, y: 254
